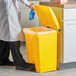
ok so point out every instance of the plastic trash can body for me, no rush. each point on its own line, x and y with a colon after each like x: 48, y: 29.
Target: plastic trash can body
x: 42, y: 51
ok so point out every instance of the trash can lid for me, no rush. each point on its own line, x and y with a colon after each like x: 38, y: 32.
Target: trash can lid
x: 47, y: 17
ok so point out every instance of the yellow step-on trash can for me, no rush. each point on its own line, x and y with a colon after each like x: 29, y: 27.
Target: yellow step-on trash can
x: 41, y: 42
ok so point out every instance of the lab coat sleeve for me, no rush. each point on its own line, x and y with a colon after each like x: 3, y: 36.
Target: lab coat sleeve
x: 25, y: 2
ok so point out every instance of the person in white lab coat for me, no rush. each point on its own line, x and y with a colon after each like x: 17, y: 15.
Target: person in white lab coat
x: 10, y: 31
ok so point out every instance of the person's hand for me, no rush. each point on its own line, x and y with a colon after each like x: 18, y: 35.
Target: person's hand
x: 32, y: 7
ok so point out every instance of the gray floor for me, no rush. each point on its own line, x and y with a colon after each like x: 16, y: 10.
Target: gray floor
x: 65, y: 69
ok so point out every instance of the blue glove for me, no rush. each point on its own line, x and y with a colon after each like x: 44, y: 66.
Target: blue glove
x: 31, y: 15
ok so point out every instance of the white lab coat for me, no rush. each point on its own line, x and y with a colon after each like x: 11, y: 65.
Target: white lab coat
x: 10, y: 29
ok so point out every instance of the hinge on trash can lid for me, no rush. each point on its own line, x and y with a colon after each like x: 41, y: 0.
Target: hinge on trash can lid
x: 48, y: 27
x: 58, y: 30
